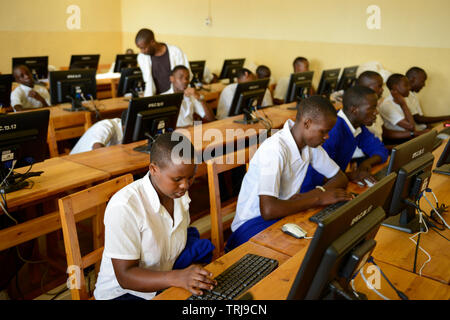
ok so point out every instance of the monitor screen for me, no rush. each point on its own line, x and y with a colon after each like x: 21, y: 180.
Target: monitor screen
x: 88, y: 61
x: 444, y: 159
x: 347, y: 79
x: 328, y: 82
x: 247, y: 96
x: 131, y: 81
x: 37, y: 65
x: 197, y: 69
x: 125, y: 61
x: 6, y: 81
x: 65, y: 86
x: 230, y: 68
x: 299, y: 85
x: 351, y: 228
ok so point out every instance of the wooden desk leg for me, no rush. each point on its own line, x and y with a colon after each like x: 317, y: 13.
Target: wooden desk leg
x: 113, y: 88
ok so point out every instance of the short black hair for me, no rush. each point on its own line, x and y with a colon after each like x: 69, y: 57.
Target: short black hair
x: 366, y: 77
x: 299, y: 59
x: 241, y: 72
x: 394, y: 79
x: 414, y: 71
x: 263, y: 72
x: 169, y: 145
x: 145, y: 35
x: 178, y: 67
x: 355, y: 96
x: 315, y: 107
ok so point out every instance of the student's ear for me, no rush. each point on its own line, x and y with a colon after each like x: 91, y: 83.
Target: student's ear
x: 307, y: 123
x: 171, y: 78
x: 153, y: 168
x: 353, y: 109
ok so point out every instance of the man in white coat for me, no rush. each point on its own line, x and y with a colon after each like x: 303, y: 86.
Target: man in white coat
x: 156, y: 61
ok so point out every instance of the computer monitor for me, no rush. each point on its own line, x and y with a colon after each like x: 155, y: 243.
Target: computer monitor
x: 230, y: 68
x: 341, y: 245
x: 6, y: 81
x: 443, y: 164
x: 37, y: 65
x: 328, y: 82
x: 73, y: 86
x: 84, y: 61
x: 299, y: 85
x: 151, y: 116
x: 197, y: 69
x: 23, y: 138
x: 131, y: 81
x: 125, y: 61
x: 247, y: 97
x: 347, y: 79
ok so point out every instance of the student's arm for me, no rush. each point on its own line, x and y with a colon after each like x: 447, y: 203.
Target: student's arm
x: 37, y: 96
x: 17, y: 107
x: 132, y: 277
x: 97, y: 145
x: 423, y: 119
x: 408, y: 122
x: 394, y: 134
x: 206, y: 113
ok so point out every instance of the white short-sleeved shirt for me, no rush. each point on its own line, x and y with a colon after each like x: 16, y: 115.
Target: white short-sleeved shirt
x: 281, y: 88
x: 189, y: 106
x: 392, y: 114
x: 138, y: 227
x: 107, y: 132
x: 413, y: 104
x: 20, y: 96
x: 226, y: 99
x: 278, y: 169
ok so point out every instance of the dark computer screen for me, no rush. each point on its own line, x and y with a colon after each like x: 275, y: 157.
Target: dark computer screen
x: 341, y: 244
x: 150, y: 116
x: 197, y: 69
x: 347, y: 79
x: 131, y: 81
x: 230, y: 68
x: 6, y: 81
x: 125, y: 61
x: 87, y: 61
x: 299, y: 85
x: 328, y: 82
x: 23, y: 138
x: 445, y: 156
x: 37, y: 65
x: 247, y: 97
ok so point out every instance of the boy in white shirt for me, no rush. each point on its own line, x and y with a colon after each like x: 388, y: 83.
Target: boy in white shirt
x: 28, y: 95
x: 146, y: 229
x: 192, y: 101
x: 226, y: 96
x: 270, y: 189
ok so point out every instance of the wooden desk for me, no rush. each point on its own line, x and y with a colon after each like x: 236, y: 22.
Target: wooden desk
x: 212, y: 92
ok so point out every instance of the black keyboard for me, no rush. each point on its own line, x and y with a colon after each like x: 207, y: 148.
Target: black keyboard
x: 325, y: 212
x: 381, y: 174
x: 239, y: 277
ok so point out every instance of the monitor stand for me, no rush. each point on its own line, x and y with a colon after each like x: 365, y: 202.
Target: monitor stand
x: 146, y: 147
x: 76, y: 106
x: 407, y: 221
x: 444, y: 169
x: 247, y: 118
x: 17, y: 181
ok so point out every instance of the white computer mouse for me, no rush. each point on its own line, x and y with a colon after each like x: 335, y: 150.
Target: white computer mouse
x: 443, y: 136
x: 293, y: 230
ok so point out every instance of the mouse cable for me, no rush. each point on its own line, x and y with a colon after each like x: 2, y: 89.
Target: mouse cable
x: 399, y: 293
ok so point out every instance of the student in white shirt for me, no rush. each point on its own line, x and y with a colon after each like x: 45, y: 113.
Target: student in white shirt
x: 270, y: 189
x: 146, y: 229
x: 192, y: 101
x: 28, y: 95
x: 156, y: 60
x: 103, y: 133
x: 227, y: 94
x: 417, y: 78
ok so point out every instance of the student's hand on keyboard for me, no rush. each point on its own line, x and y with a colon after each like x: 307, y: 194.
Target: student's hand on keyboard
x: 362, y: 177
x: 331, y: 196
x: 194, y: 278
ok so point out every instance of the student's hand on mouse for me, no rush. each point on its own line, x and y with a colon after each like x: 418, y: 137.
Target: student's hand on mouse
x: 331, y: 196
x: 194, y: 278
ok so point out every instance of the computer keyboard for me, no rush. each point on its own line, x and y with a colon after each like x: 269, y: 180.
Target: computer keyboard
x: 239, y: 277
x: 325, y: 212
x: 381, y: 174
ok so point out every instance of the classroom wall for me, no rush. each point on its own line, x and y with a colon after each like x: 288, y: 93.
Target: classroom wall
x: 39, y: 27
x: 329, y: 33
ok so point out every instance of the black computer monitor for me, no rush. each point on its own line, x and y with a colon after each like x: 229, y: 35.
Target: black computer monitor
x: 23, y: 138
x: 341, y: 245
x: 230, y: 68
x: 443, y: 164
x: 37, y: 65
x: 197, y: 69
x: 247, y: 97
x: 328, y: 82
x: 299, y: 85
x: 125, y: 61
x: 131, y: 81
x: 73, y: 86
x: 347, y: 79
x: 6, y: 81
x: 84, y: 61
x: 151, y: 116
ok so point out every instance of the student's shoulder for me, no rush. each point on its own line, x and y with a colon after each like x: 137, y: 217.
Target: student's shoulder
x: 127, y: 195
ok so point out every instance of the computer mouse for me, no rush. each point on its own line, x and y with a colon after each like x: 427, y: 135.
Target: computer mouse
x: 293, y: 230
x: 443, y: 136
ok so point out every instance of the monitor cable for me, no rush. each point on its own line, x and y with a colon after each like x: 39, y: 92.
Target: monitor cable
x: 97, y: 112
x: 439, y: 208
x: 400, y: 294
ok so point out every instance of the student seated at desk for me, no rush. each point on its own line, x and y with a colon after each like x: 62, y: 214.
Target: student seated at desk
x: 271, y: 186
x: 417, y: 77
x: 395, y: 112
x: 350, y: 133
x: 104, y: 133
x: 28, y: 95
x: 146, y: 227
x: 192, y: 102
x: 227, y: 94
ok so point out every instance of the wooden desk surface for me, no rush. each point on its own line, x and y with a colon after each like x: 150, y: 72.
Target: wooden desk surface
x: 219, y: 265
